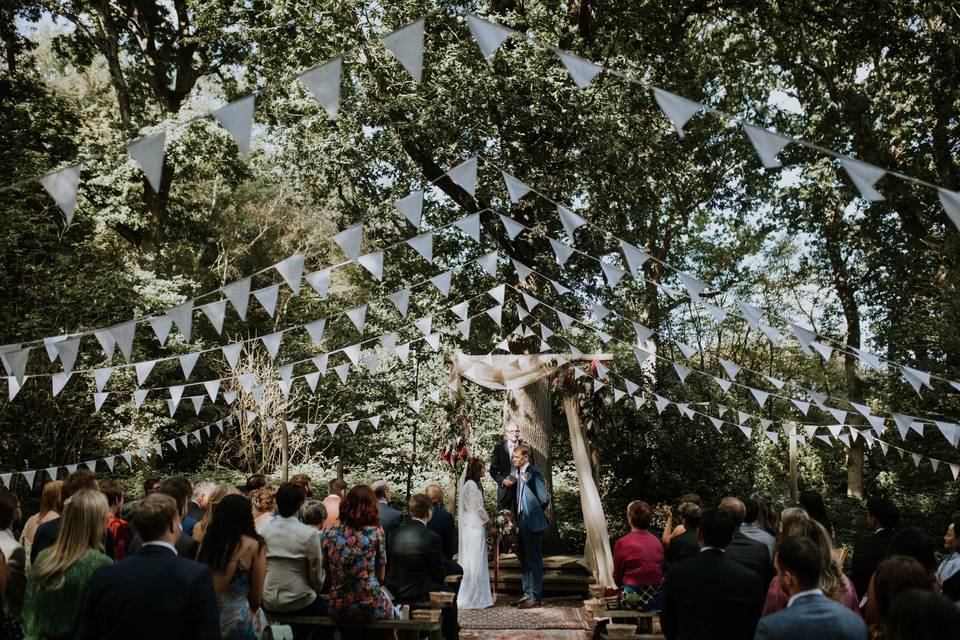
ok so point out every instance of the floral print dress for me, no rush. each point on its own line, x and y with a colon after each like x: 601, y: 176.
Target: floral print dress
x: 353, y: 556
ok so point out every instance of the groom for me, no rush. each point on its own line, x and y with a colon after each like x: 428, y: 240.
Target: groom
x: 531, y: 499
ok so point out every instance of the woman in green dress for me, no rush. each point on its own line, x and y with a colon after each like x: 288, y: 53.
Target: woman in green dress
x: 57, y: 585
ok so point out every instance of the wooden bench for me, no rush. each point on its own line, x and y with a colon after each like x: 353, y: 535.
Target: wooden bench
x: 616, y: 615
x: 405, y: 627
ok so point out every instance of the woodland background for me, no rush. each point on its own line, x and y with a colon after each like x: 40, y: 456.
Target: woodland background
x: 880, y: 80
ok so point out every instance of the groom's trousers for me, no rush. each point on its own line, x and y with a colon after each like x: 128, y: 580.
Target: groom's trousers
x: 531, y: 563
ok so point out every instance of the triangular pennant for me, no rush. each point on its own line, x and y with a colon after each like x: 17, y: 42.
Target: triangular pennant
x: 724, y: 384
x: 461, y: 310
x: 353, y: 352
x: 643, y: 356
x: 949, y: 430
x: 215, y: 312
x: 182, y: 316
x: 442, y: 282
x: 147, y: 153
x: 161, y: 327
x: 374, y: 421
x: 372, y: 363
x: 332, y: 427
x: 612, y: 273
x: 570, y: 221
x: 694, y: 286
x: 349, y: 240
x: 229, y: 397
x: 122, y: 335
x: 810, y: 430
x: 760, y: 395
x: 285, y: 387
x: 320, y: 282
x: 497, y: 293
x: 66, y: 349
x: 868, y: 359
x: 682, y: 371
x: 677, y: 108
x: 804, y: 337
x: 818, y: 398
x: 389, y: 342
x: 272, y: 343
x: 105, y: 337
x: 776, y: 382
x: 746, y: 431
x: 718, y: 314
x: 246, y: 381
x: 50, y: 344
x: 62, y: 186
x: 515, y: 188
x: 686, y: 349
x: 411, y: 207
x: 582, y: 71
x: 267, y: 297
x: 529, y: 301
x: 751, y: 313
x: 172, y: 407
x: 28, y: 476
x: 415, y: 405
x: 465, y: 175
x: 187, y: 362
x: 773, y: 435
x: 496, y: 314
x: 197, y: 403
x: 101, y: 377
x: 59, y: 381
x: 403, y: 352
x: 5, y: 479
x: 231, y: 352
x: 323, y: 81
x: 316, y: 329
x: 212, y: 387
x: 406, y: 44
x: 864, y: 176
x: 955, y: 469
x: 139, y: 396
x: 464, y: 328
x: 951, y: 206
x: 291, y: 270
x: 643, y: 333
x: 488, y: 262
x: 562, y: 251
x: 878, y: 423
x: 237, y: 119
x: 511, y: 226
x: 565, y: 320
x: 52, y: 472
x: 257, y: 393
x: 312, y: 379
x: 732, y: 368
x: 401, y: 300
x: 824, y: 350
x: 373, y: 262
x: 358, y: 316
x: 423, y: 244
x: 489, y: 36
x: 634, y: 258
x: 238, y: 293
x: 599, y: 311
x: 523, y: 271
x: 767, y: 144
x: 916, y: 378
x: 424, y: 324
x: 903, y: 424
x: 470, y: 225
x: 433, y: 340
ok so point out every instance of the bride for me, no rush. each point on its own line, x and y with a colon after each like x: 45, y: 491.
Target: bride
x: 472, y: 517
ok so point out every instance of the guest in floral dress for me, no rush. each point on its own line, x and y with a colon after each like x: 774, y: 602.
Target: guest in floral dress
x: 237, y: 556
x: 356, y: 553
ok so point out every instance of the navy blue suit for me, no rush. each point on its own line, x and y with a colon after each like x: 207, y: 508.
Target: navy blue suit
x: 153, y: 595
x: 809, y: 616
x: 532, y: 499
x: 442, y: 524
x: 390, y: 518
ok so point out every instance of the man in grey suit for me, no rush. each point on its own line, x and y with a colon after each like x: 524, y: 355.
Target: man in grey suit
x: 389, y: 517
x: 809, y: 612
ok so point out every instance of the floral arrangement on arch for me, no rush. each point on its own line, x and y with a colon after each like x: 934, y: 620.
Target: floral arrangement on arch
x: 453, y: 443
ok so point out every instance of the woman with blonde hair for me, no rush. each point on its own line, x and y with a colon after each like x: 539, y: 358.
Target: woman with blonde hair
x: 49, y: 510
x: 218, y: 494
x: 57, y: 586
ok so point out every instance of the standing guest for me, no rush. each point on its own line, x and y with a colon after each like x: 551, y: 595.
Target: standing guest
x: 355, y: 550
x: 809, y: 612
x: 894, y: 575
x: 152, y: 594
x: 908, y: 543
x: 441, y: 522
x: 264, y: 502
x: 948, y: 573
x: 390, y: 518
x: 150, y: 485
x: 417, y: 564
x: 236, y: 555
x: 812, y: 503
x: 13, y: 555
x: 186, y: 546
x: 254, y: 482
x: 294, y: 574
x: 920, y: 614
x: 750, y: 553
x: 685, y: 544
x: 501, y: 464
x: 669, y: 531
x: 750, y: 529
x: 57, y: 585
x: 711, y: 596
x: 768, y: 518
x: 218, y: 494
x: 638, y: 557
x: 46, y: 534
x: 791, y: 516
x: 833, y: 583
x: 118, y: 527
x: 314, y: 516
x: 882, y: 519
x: 303, y: 481
x: 49, y: 510
x: 197, y: 506
x: 337, y: 488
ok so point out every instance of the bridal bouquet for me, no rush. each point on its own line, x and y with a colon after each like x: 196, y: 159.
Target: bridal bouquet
x: 501, y: 524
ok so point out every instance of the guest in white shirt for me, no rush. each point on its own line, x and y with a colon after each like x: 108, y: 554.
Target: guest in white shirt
x: 750, y: 529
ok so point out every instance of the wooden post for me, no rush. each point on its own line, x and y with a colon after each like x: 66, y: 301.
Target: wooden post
x: 284, y: 452
x: 794, y: 487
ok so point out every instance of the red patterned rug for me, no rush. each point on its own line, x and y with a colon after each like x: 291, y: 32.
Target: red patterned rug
x: 534, y: 619
x: 552, y: 634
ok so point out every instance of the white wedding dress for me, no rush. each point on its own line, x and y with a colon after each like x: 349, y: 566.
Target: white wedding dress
x: 475, y: 586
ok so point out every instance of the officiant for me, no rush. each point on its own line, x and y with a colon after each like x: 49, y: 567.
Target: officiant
x: 501, y: 467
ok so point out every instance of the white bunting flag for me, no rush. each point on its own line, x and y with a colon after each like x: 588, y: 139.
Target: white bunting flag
x: 238, y: 293
x: 746, y: 431
x: 634, y: 258
x: 291, y: 270
x: 197, y: 404
x: 237, y: 119
x: 406, y: 44
x: 718, y: 314
x: 581, y: 71
x: 465, y: 175
x: 403, y: 352
x: 682, y: 371
x: 285, y: 387
x: 212, y: 387
x: 612, y: 273
x: 461, y: 310
x: 122, y: 336
x: 358, y: 316
x: 511, y: 226
x: 442, y: 282
x: 320, y: 282
x: 903, y: 424
x: 257, y: 393
x: 372, y: 363
x: 342, y: 371
x: 643, y: 333
x: 751, y: 313
x: 760, y: 396
x: 687, y: 350
x: 776, y: 382
x: 231, y: 352
x: 864, y: 176
x: 139, y: 397
x: 29, y: 476
x: 229, y: 396
x: 147, y: 153
x: 182, y: 316
x: 470, y: 225
x: 316, y: 329
x: 59, y: 381
x: 49, y: 343
x: 773, y: 435
x: 285, y: 372
x: 496, y: 314
x: 498, y: 293
x: 353, y: 352
x: 215, y: 312
x: 272, y: 343
x: 570, y: 221
x: 464, y: 328
x: 349, y: 240
x: 488, y: 262
x: 187, y: 362
x: 373, y: 262
x: 565, y: 320
x: 824, y: 350
x: 677, y: 108
x: 724, y: 384
x: 562, y: 251
x: 951, y: 205
x: 867, y: 359
x: 804, y: 336
x: 916, y: 378
x: 5, y: 479
x: 267, y: 297
x: 599, y: 311
x: 489, y: 36
x: 101, y: 377
x: 732, y: 368
x: 62, y: 186
x: 424, y: 324
x: 515, y: 188
x: 767, y: 144
x: 694, y: 286
x: 838, y: 414
x: 323, y: 81
x: 529, y: 300
x: 411, y: 207
x: 401, y: 300
x: 423, y: 244
x: 433, y: 340
x: 312, y: 380
x: 862, y: 409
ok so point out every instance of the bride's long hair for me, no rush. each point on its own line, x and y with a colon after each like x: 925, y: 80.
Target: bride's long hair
x: 474, y: 470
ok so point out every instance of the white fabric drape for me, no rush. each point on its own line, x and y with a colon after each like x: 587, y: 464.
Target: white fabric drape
x: 504, y: 371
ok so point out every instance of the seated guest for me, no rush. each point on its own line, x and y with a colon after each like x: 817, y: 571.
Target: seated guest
x: 14, y: 556
x: 150, y: 485
x: 908, y: 543
x: 47, y: 532
x: 264, y: 506
x: 882, y: 519
x: 197, y: 506
x: 750, y: 529
x: 750, y: 553
x: 118, y: 527
x: 768, y: 518
x: 417, y: 565
x: 893, y: 576
x: 254, y: 482
x: 669, y: 531
x: 218, y: 494
x: 710, y: 595
x: 294, y: 559
x: 948, y: 573
x: 152, y: 594
x: 812, y: 503
x: 337, y: 489
x: 638, y: 557
x: 355, y: 550
x: 442, y: 522
x: 809, y: 613
x: 314, y: 516
x: 390, y: 518
x: 236, y: 555
x: 833, y: 583
x: 186, y: 546
x: 685, y: 545
x: 57, y: 584
x: 49, y: 510
x: 921, y: 614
